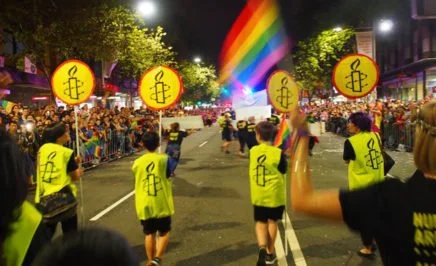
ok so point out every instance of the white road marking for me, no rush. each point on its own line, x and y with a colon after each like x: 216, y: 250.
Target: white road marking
x: 291, y: 237
x: 113, y: 206
x: 202, y: 144
x: 280, y: 252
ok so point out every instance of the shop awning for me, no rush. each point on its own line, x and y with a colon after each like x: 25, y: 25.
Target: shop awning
x: 408, y: 70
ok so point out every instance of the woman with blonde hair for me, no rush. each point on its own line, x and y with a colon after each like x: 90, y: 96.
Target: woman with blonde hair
x: 402, y: 215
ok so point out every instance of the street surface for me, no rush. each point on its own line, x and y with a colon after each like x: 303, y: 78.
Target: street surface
x: 213, y: 223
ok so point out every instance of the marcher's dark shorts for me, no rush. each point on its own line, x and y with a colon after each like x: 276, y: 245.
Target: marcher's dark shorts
x: 153, y: 225
x: 263, y: 214
x: 227, y: 136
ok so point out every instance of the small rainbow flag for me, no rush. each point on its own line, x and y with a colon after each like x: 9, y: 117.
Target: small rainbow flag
x: 7, y: 105
x: 256, y: 42
x: 283, y: 137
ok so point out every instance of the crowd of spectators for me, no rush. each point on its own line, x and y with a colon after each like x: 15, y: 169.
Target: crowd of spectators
x: 104, y: 134
x: 397, y: 118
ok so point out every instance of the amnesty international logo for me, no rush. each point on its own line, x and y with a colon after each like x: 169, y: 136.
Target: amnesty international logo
x: 47, y: 169
x: 355, y: 76
x: 262, y: 172
x: 152, y: 183
x: 374, y: 158
x: 283, y: 92
x: 73, y: 82
x: 160, y: 88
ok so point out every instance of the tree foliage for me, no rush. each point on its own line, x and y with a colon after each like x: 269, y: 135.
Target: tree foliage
x: 88, y: 31
x: 316, y: 57
x: 200, y: 81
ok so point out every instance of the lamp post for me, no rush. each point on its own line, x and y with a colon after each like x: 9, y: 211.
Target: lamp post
x: 197, y: 60
x: 147, y: 9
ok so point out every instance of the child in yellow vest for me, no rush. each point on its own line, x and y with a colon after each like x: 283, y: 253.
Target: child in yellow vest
x: 154, y: 197
x: 267, y: 168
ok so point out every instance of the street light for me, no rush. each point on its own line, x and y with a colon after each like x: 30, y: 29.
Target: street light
x: 337, y: 29
x: 147, y: 8
x: 386, y: 25
x: 197, y: 60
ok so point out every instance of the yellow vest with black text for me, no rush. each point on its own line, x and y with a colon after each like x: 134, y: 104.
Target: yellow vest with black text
x: 266, y: 182
x: 52, y: 173
x: 18, y: 242
x: 153, y: 191
x: 368, y: 168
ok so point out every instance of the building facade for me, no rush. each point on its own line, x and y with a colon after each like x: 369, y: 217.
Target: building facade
x: 407, y: 58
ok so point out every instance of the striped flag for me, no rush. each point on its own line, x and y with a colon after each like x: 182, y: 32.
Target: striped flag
x: 256, y: 42
x: 7, y: 105
x: 283, y: 137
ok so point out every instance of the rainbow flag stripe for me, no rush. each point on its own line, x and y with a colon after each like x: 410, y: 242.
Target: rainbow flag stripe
x: 256, y: 42
x: 7, y: 105
x: 283, y: 136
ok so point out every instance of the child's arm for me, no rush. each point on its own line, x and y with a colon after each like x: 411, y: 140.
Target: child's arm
x: 283, y: 165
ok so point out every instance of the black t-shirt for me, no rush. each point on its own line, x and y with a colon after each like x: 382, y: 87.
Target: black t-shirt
x: 349, y: 153
x: 402, y: 217
x: 176, y: 137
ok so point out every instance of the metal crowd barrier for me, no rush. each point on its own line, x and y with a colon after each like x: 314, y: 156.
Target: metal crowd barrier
x: 395, y: 137
x: 110, y: 147
x: 398, y: 137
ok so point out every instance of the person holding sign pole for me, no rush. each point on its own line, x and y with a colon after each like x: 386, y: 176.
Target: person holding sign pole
x: 400, y: 214
x: 57, y: 168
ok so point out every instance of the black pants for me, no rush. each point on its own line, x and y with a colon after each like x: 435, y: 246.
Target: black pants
x: 68, y: 225
x: 367, y: 238
x: 311, y: 143
x: 241, y: 143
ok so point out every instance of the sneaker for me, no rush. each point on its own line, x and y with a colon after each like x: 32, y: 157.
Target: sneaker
x: 270, y: 259
x: 156, y: 261
x: 261, y: 260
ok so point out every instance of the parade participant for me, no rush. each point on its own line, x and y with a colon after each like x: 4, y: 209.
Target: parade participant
x: 267, y: 167
x: 362, y: 153
x: 57, y: 168
x: 400, y: 214
x: 377, y: 116
x: 22, y: 233
x: 175, y: 139
x: 154, y: 197
x: 251, y: 133
x: 226, y: 133
x: 92, y: 246
x: 241, y: 125
x: 274, y: 119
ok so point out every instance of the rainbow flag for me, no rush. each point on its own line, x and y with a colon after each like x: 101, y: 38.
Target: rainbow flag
x: 283, y: 137
x: 256, y: 42
x: 7, y: 105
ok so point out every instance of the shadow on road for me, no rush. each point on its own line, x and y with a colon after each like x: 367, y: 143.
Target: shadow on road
x: 214, y: 226
x: 222, y: 256
x: 182, y: 188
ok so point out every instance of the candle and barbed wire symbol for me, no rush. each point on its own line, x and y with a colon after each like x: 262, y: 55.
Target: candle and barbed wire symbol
x: 374, y: 158
x: 262, y: 172
x: 285, y: 94
x: 356, y: 79
x: 73, y: 85
x: 160, y: 89
x: 48, y: 170
x: 152, y: 183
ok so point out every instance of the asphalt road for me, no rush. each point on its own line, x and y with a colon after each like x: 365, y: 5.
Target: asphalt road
x: 213, y: 223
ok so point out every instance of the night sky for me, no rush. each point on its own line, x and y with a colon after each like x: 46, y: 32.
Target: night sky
x: 199, y: 27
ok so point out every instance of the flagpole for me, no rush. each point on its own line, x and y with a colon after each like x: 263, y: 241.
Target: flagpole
x: 82, y: 208
x: 160, y: 131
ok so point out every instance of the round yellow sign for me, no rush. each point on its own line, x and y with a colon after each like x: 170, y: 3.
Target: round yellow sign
x: 355, y: 76
x: 160, y: 88
x: 73, y: 82
x: 283, y: 92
